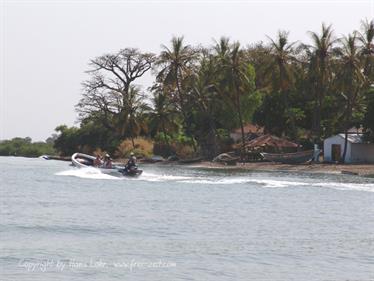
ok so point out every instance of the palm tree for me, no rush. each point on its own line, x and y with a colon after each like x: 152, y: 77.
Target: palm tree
x: 350, y: 79
x: 234, y: 80
x: 282, y: 54
x: 367, y: 49
x: 237, y: 75
x: 222, y: 48
x: 320, y: 70
x: 205, y: 101
x: 134, y: 113
x: 162, y: 116
x: 176, y: 65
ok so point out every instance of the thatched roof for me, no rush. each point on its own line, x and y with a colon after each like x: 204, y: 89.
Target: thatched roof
x: 249, y: 129
x: 270, y: 140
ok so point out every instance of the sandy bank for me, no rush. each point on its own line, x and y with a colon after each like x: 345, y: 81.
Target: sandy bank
x: 354, y: 169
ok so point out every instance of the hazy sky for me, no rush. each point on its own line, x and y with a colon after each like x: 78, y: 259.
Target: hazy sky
x: 46, y: 45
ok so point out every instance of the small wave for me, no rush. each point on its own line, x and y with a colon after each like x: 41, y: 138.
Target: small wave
x: 278, y: 183
x: 239, y: 180
x: 87, y: 173
x: 217, y: 180
x: 146, y: 176
x: 347, y: 186
x: 270, y: 183
x: 77, y: 229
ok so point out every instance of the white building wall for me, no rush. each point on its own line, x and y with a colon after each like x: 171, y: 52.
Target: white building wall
x: 362, y: 152
x: 327, y: 151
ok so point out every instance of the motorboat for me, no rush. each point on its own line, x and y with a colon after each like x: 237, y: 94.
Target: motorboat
x: 82, y: 160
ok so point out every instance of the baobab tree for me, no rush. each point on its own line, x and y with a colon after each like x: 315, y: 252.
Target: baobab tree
x: 107, y: 92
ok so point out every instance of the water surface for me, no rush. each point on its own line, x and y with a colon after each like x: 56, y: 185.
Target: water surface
x: 180, y: 223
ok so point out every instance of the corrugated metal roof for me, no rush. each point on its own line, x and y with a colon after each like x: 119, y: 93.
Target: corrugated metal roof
x: 354, y: 138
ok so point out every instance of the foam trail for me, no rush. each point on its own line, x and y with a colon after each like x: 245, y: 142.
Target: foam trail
x: 272, y: 183
x: 87, y: 173
x: 235, y: 180
x: 238, y: 180
x: 146, y: 176
x: 93, y: 173
x: 347, y: 186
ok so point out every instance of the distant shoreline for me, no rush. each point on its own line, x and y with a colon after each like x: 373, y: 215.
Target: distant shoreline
x: 366, y: 170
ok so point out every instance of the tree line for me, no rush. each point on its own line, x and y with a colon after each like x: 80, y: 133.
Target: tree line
x: 304, y: 92
x: 26, y: 147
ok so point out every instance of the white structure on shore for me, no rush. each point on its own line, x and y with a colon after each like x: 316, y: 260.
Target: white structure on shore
x: 357, y: 150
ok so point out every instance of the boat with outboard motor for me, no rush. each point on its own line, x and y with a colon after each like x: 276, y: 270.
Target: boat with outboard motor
x: 82, y: 160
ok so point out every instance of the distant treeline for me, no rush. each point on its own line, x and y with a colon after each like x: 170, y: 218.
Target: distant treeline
x: 200, y: 93
x: 25, y: 147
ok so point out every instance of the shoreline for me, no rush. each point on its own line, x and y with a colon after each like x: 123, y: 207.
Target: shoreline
x: 364, y: 170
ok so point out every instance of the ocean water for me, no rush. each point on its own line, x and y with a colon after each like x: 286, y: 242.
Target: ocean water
x: 182, y: 223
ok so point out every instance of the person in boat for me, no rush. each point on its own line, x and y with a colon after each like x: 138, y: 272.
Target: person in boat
x: 97, y: 162
x: 131, y: 163
x: 108, y: 162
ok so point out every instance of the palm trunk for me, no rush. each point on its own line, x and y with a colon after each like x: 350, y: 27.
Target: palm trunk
x: 132, y: 141
x: 345, y: 145
x: 181, y: 103
x: 319, y: 117
x: 284, y: 95
x: 347, y: 125
x: 320, y: 94
x: 164, y: 132
x: 212, y: 138
x: 240, y: 121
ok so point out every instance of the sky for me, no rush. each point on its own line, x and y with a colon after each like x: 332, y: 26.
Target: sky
x: 45, y: 46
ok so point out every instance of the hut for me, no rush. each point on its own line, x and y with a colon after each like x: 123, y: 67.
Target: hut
x: 358, y: 151
x: 251, y: 131
x: 271, y: 144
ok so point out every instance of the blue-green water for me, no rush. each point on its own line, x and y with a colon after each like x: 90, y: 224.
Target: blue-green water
x: 180, y: 223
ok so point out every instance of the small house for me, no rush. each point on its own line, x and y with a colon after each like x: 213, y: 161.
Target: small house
x: 358, y: 151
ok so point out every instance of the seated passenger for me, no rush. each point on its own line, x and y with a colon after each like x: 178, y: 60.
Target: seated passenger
x: 107, y: 162
x: 97, y: 162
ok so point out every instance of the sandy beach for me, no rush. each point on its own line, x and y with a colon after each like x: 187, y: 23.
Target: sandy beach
x: 354, y: 169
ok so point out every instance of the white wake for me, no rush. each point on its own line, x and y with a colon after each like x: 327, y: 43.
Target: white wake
x: 93, y: 173
x: 87, y: 173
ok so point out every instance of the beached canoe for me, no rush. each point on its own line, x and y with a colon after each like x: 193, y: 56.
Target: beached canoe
x: 289, y: 158
x: 227, y: 159
x: 190, y: 160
